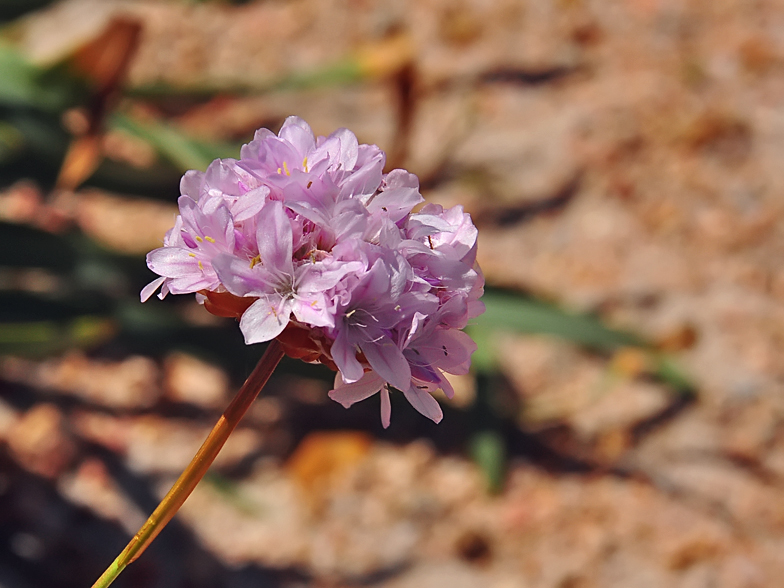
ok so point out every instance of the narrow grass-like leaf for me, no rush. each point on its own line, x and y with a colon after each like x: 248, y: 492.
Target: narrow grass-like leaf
x: 24, y: 84
x: 42, y: 132
x: 42, y: 338
x: 182, y: 150
x: 509, y: 312
x: 668, y: 371
x: 520, y: 314
x: 377, y: 60
x: 343, y: 72
x: 488, y: 450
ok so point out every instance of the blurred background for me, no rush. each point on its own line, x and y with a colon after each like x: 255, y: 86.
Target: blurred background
x: 623, y: 424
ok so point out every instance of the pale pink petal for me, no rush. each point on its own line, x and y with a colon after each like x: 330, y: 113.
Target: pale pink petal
x: 400, y: 178
x: 475, y: 308
x: 150, y: 288
x: 274, y: 237
x: 262, y: 134
x: 297, y: 132
x: 385, y: 357
x: 364, y: 181
x: 424, y: 403
x: 386, y: 408
x: 446, y: 386
x: 172, y: 262
x: 349, y: 148
x: 248, y: 205
x: 327, y: 151
x: 239, y: 278
x: 396, y: 202
x: 313, y: 311
x: 446, y: 348
x: 348, y: 394
x: 263, y: 321
x: 191, y: 184
x: 192, y: 282
x: 344, y: 355
x: 252, y: 151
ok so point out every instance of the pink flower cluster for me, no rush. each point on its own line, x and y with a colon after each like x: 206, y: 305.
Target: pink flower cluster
x: 306, y: 240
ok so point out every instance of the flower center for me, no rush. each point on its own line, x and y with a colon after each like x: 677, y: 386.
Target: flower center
x: 285, y: 286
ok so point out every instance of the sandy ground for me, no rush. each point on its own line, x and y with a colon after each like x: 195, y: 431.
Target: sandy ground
x: 620, y: 157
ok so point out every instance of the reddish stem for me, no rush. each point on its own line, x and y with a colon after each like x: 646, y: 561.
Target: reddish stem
x: 199, y: 465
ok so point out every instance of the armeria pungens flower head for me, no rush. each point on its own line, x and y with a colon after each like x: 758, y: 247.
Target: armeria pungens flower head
x: 304, y: 239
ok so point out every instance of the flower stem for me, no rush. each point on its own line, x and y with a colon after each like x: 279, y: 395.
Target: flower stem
x: 195, y: 471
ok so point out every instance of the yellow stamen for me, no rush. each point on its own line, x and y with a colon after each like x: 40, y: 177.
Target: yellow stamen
x: 199, y: 239
x: 201, y: 267
x: 314, y: 303
x: 305, y: 164
x: 192, y: 255
x: 256, y: 260
x: 210, y: 239
x: 286, y: 169
x: 279, y: 170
